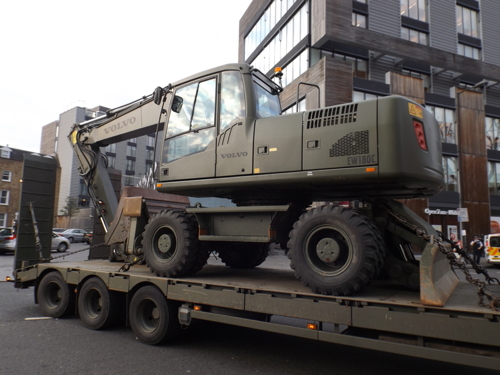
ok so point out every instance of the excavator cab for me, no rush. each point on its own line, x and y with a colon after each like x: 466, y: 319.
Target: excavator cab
x: 212, y: 134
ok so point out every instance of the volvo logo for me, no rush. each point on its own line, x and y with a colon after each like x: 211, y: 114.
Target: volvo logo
x: 120, y: 125
x: 234, y: 155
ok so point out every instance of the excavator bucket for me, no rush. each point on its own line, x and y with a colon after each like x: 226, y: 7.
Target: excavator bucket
x: 437, y: 278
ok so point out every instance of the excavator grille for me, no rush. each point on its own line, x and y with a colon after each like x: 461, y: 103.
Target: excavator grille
x: 354, y: 143
x: 338, y: 115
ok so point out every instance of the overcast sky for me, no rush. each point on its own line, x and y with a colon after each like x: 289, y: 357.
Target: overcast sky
x: 58, y: 54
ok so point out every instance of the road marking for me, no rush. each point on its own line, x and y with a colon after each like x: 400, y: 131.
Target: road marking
x: 39, y: 318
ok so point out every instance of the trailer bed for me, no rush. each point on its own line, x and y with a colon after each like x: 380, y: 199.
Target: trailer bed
x: 380, y: 317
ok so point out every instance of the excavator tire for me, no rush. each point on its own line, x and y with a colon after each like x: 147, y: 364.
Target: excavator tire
x: 334, y: 250
x: 170, y: 244
x: 243, y: 255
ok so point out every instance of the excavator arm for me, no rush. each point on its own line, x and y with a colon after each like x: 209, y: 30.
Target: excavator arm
x: 141, y: 117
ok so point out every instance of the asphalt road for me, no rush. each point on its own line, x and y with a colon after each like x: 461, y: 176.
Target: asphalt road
x: 34, y: 345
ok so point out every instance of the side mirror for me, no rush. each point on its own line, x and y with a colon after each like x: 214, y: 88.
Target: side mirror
x: 177, y: 104
x: 158, y: 95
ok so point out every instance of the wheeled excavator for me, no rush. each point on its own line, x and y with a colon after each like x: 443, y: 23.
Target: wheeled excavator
x: 223, y: 134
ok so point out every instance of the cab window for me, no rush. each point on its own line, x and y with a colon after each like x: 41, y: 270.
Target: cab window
x: 232, y: 99
x: 192, y: 129
x: 267, y: 103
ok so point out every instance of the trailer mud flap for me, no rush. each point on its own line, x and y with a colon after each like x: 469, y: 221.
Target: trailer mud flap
x: 437, y: 278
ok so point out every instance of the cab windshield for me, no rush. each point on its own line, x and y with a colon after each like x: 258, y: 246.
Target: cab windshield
x: 267, y: 100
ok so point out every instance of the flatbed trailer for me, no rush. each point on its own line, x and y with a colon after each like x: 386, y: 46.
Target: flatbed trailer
x: 380, y: 317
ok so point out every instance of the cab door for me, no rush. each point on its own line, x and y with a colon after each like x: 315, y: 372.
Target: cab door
x: 189, y: 146
x: 235, y: 140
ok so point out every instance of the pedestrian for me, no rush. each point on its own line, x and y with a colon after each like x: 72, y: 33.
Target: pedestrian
x: 477, y: 249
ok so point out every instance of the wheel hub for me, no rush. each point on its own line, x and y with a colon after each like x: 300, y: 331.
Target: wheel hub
x: 164, y: 243
x: 328, y: 250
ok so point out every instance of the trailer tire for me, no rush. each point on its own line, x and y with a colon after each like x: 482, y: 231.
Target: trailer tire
x: 353, y: 253
x: 170, y: 243
x: 242, y: 255
x: 54, y: 296
x: 98, y: 307
x: 153, y: 318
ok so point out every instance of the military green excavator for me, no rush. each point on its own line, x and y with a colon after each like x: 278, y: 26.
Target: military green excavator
x: 223, y: 134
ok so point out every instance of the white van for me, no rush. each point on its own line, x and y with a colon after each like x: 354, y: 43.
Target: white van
x: 492, y: 248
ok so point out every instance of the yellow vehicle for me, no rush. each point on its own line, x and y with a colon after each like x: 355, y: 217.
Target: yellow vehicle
x: 492, y: 246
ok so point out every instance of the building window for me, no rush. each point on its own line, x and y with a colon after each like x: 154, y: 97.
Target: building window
x: 5, y: 152
x: 4, y: 197
x: 83, y: 188
x: 131, y: 151
x: 3, y: 220
x: 293, y: 107
x: 414, y: 36
x: 467, y: 22
x: 6, y: 176
x: 129, y: 181
x: 272, y: 15
x: 130, y: 166
x: 294, y: 69
x: 492, y: 133
x: 469, y: 51
x: 494, y: 178
x: 359, y: 96
x: 150, y: 141
x: 111, y: 148
x: 149, y: 154
x: 359, y: 20
x: 415, y: 9
x: 294, y: 31
x: 447, y: 125
x: 359, y: 66
x: 133, y: 140
x: 450, y: 167
x: 111, y: 161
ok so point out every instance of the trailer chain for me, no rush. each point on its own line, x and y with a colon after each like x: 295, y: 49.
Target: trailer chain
x: 483, y: 292
x: 127, y: 266
x: 74, y: 252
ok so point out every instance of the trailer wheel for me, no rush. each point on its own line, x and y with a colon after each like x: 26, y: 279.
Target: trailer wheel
x: 243, y: 254
x: 170, y: 244
x: 153, y: 318
x: 334, y: 250
x: 54, y: 295
x: 98, y: 307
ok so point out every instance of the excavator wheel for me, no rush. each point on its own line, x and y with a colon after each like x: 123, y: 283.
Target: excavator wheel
x: 170, y: 244
x: 334, y: 250
x: 243, y: 255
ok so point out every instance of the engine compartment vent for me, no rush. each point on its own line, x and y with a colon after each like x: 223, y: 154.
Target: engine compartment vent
x: 338, y: 115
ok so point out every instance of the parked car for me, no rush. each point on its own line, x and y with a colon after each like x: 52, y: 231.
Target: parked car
x: 73, y: 235
x: 87, y: 237
x: 7, y: 240
x: 58, y: 230
x: 59, y: 243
